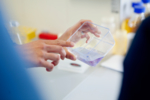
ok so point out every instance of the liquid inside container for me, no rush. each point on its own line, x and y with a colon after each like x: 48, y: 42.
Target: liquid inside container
x: 92, y: 43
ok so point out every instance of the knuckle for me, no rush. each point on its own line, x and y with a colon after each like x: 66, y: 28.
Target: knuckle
x: 68, y: 43
x: 38, y: 41
x: 42, y: 53
x: 42, y: 45
x: 58, y: 42
x: 39, y: 61
x: 48, y: 47
x: 61, y: 49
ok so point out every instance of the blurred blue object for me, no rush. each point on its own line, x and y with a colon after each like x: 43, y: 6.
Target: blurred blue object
x: 146, y: 1
x: 15, y: 83
x: 139, y: 3
x: 139, y: 9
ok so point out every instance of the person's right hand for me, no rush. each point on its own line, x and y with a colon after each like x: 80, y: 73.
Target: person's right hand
x: 38, y: 52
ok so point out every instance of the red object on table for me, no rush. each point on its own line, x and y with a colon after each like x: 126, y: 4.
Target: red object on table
x: 48, y: 36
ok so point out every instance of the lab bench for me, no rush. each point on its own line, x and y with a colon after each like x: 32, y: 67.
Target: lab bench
x: 97, y: 83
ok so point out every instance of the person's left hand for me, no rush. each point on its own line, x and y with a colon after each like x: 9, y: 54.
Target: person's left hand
x: 87, y: 27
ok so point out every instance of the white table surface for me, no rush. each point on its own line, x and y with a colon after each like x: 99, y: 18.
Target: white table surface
x: 102, y: 83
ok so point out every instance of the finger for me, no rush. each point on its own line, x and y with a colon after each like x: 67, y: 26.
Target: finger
x: 86, y: 28
x: 93, y: 29
x: 53, y: 57
x: 56, y: 49
x: 76, y: 26
x: 55, y: 63
x: 70, y: 55
x: 89, y: 25
x: 96, y: 33
x: 86, y: 35
x: 47, y: 65
x: 90, y: 28
x: 60, y: 43
x: 49, y: 70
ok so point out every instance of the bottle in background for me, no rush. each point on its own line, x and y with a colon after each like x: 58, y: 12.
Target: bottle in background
x: 147, y: 6
x: 120, y: 47
x: 136, y: 18
x: 125, y: 25
x: 135, y: 3
x: 110, y: 23
x: 15, y: 33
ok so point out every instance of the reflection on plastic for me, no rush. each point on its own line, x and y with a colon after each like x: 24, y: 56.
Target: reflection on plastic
x: 92, y: 43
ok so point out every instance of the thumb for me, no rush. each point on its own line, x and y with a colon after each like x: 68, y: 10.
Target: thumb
x: 70, y: 55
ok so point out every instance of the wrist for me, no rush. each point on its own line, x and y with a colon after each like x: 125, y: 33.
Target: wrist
x: 65, y: 36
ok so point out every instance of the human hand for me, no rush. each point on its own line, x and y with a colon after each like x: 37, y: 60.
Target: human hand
x: 87, y: 27
x: 38, y: 52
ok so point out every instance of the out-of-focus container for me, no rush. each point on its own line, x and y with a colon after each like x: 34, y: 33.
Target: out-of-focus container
x: 120, y: 47
x: 125, y: 23
x: 28, y: 33
x: 147, y: 6
x: 21, y: 34
x: 136, y: 3
x: 110, y: 23
x: 15, y: 33
x: 48, y: 36
x: 89, y: 47
x: 137, y: 18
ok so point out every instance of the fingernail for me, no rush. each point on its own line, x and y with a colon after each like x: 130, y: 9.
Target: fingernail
x: 54, y: 64
x: 73, y: 58
x: 62, y: 58
x: 47, y: 69
x: 72, y: 43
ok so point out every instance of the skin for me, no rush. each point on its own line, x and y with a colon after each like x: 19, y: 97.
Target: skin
x: 85, y: 29
x: 38, y: 52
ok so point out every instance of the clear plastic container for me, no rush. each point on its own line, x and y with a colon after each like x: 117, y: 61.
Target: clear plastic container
x: 92, y: 43
x: 137, y: 18
x: 147, y: 6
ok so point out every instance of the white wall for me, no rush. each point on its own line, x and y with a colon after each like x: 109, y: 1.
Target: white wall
x: 56, y: 15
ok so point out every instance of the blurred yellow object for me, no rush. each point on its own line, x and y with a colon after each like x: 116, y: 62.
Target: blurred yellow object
x: 125, y: 26
x: 120, y: 47
x: 28, y: 33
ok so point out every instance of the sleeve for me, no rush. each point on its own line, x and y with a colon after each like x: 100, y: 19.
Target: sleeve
x: 15, y: 82
x: 136, y: 84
